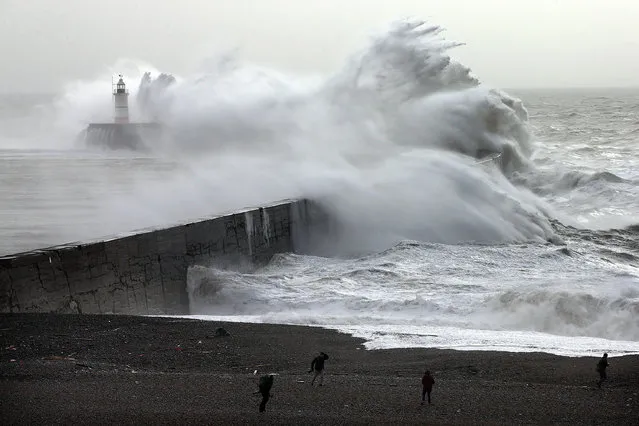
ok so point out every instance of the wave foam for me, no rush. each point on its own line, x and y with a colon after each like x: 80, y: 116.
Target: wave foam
x: 388, y: 143
x: 570, y: 313
x: 391, y: 288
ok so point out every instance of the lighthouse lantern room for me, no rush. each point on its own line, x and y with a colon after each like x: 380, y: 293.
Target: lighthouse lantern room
x: 120, y: 102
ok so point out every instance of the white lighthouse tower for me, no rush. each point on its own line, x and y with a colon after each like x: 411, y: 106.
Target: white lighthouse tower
x: 121, y: 133
x: 120, y: 102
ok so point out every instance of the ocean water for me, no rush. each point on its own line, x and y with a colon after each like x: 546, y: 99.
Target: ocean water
x: 539, y: 252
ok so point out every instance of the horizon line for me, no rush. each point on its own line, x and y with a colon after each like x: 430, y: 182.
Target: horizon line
x: 505, y: 88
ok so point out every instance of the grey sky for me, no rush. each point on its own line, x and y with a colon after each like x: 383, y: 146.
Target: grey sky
x: 510, y: 43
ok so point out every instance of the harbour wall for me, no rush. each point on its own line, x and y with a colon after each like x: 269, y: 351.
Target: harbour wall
x: 145, y: 272
x: 127, y: 136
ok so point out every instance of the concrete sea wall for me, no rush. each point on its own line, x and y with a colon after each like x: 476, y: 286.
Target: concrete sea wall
x: 145, y: 272
x: 128, y: 136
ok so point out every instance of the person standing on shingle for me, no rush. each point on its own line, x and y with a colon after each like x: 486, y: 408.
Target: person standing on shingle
x: 317, y: 365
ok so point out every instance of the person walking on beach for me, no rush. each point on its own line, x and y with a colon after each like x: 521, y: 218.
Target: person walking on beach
x: 427, y: 386
x: 266, y: 383
x: 317, y: 365
x: 601, y: 369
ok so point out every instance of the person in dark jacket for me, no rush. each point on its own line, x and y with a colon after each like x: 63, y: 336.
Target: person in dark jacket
x: 266, y: 382
x: 317, y: 365
x: 427, y: 386
x: 601, y: 369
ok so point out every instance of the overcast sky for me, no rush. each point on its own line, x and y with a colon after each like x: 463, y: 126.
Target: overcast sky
x: 509, y: 43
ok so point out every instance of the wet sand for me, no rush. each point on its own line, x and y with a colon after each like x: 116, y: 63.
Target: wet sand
x: 88, y: 369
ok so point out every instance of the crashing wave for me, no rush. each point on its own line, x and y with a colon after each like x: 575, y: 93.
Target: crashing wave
x: 149, y: 95
x: 389, y: 144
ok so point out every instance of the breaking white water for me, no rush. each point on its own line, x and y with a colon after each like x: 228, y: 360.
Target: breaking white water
x: 435, y: 250
x: 524, y: 297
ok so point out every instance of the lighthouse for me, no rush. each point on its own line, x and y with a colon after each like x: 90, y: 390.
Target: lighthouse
x: 120, y: 102
x: 121, y: 133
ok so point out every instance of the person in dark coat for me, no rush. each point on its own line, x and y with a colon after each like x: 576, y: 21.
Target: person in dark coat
x: 601, y: 369
x: 266, y: 382
x: 427, y: 386
x: 317, y: 365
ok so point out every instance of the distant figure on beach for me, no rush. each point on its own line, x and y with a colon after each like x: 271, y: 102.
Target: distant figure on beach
x: 601, y: 369
x: 317, y: 365
x: 266, y: 382
x: 427, y: 386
